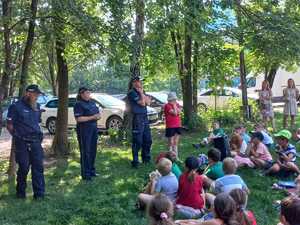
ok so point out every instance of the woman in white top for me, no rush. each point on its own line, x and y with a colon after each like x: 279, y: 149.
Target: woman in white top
x: 290, y: 95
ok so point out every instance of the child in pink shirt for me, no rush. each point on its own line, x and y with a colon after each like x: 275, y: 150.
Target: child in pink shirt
x: 260, y: 154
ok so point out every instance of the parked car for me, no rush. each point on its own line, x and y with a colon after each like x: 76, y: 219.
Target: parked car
x: 158, y: 100
x: 42, y: 100
x: 111, y: 117
x: 207, y: 99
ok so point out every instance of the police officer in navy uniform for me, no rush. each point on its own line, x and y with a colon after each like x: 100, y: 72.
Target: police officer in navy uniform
x: 87, y: 113
x: 23, y: 120
x: 141, y: 134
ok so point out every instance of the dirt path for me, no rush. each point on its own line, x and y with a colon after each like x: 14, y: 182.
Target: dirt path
x: 5, y: 143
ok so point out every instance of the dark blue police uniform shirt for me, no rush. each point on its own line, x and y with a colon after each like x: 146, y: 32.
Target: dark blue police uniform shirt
x: 86, y: 108
x: 25, y: 120
x: 134, y: 97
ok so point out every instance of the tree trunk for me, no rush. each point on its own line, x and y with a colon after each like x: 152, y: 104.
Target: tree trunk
x: 28, y: 47
x: 243, y: 73
x: 6, y: 18
x: 243, y: 76
x: 137, y: 42
x: 195, y: 77
x: 60, y: 141
x: 188, y: 89
x: 135, y: 65
x: 53, y: 79
x: 6, y: 10
x: 271, y: 75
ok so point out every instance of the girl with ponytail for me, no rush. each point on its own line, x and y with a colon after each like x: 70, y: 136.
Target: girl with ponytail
x: 190, y: 200
x: 244, y: 216
x: 161, y: 211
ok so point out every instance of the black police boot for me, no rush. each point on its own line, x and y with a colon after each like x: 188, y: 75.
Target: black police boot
x: 38, y: 197
x: 21, y: 195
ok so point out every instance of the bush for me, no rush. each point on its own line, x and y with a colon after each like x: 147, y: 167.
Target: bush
x: 230, y: 115
x: 197, y: 122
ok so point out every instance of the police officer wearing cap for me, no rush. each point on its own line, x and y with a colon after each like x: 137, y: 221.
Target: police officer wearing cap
x: 86, y: 114
x: 23, y: 120
x: 141, y: 134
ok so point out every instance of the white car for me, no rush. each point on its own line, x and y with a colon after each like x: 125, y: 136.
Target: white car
x: 206, y: 98
x: 112, y: 112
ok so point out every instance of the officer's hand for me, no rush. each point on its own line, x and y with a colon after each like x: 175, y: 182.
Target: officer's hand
x: 140, y: 90
x: 97, y: 116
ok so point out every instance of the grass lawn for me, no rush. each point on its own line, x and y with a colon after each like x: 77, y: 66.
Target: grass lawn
x: 110, y: 198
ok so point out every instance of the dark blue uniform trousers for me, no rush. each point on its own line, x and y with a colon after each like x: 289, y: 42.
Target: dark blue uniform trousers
x: 87, y: 135
x: 30, y: 154
x: 141, y: 138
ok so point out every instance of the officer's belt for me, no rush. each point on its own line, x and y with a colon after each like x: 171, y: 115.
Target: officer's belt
x: 30, y: 139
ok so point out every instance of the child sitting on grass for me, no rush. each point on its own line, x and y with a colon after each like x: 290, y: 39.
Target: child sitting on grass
x: 259, y: 153
x: 268, y: 140
x: 171, y: 156
x: 230, y: 180
x: 286, y: 163
x: 160, y: 211
x: 167, y: 183
x: 245, y: 217
x: 214, y: 170
x: 216, y: 133
x: 190, y: 200
x: 239, y: 151
x: 224, y: 211
x: 241, y: 130
x: 290, y: 211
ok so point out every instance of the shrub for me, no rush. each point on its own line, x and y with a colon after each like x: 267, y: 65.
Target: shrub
x: 230, y: 115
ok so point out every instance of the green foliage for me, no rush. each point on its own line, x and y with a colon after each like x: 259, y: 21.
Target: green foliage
x: 230, y: 115
x: 197, y: 122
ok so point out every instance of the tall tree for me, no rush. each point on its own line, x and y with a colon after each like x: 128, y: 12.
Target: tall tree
x: 28, y: 47
x: 60, y: 141
x: 6, y: 21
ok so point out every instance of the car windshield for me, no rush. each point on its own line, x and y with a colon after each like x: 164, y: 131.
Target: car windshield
x: 108, y: 101
x: 162, y: 97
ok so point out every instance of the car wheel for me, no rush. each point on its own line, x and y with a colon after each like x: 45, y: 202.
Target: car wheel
x: 51, y: 125
x: 202, y: 107
x: 114, y: 122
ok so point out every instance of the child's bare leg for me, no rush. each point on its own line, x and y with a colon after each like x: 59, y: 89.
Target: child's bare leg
x: 175, y: 144
x: 210, y: 198
x: 258, y: 162
x: 293, y: 167
x: 145, y: 199
x: 274, y: 169
x: 285, y: 117
x: 170, y: 143
x: 206, y: 182
x: 292, y: 121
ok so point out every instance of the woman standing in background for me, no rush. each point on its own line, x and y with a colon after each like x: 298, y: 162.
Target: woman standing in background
x: 290, y: 95
x: 265, y: 103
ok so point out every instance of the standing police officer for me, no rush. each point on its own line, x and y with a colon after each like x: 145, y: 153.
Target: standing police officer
x: 141, y: 134
x: 23, y: 120
x: 86, y: 114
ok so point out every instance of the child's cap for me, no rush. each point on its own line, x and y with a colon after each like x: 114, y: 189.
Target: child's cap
x: 172, y: 96
x: 284, y: 134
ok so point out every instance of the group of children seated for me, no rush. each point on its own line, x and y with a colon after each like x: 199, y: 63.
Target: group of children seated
x: 216, y: 195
